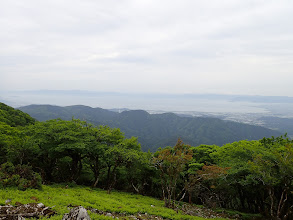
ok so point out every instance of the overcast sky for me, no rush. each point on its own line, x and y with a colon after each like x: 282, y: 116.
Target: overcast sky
x: 148, y: 46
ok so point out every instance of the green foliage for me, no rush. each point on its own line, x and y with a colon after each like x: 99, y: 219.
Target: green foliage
x: 202, y: 153
x: 260, y: 177
x: 236, y: 156
x: 274, y: 170
x: 157, y: 130
x: 13, y: 117
x: 13, y: 140
x: 67, y: 150
x: 201, y: 156
x: 171, y: 163
x: 20, y: 176
x: 241, y: 191
x: 15, y: 145
x: 245, y: 175
x: 57, y: 139
x: 59, y: 197
x: 244, y: 216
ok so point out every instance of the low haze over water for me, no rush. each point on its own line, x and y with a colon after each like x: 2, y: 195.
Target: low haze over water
x: 153, y: 103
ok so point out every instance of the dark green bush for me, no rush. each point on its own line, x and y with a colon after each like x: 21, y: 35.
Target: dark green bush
x: 20, y: 176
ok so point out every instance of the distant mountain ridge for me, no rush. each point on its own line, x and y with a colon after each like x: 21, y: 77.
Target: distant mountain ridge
x: 156, y: 130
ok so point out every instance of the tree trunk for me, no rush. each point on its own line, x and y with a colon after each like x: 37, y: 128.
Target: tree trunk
x: 76, y: 167
x: 108, y: 174
x: 96, y: 182
x: 113, y: 182
x: 271, y: 194
x: 135, y: 188
x: 282, y: 203
x: 190, y: 197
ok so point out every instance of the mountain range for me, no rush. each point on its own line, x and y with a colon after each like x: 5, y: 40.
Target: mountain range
x: 156, y: 130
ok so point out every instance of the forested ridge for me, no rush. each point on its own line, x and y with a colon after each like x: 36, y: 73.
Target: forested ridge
x: 14, y: 117
x: 250, y: 176
x: 156, y: 130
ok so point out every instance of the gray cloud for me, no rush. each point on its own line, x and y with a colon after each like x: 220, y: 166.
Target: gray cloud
x: 241, y: 47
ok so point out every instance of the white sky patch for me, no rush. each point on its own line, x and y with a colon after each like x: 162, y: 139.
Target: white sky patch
x: 186, y: 46
x: 94, y: 57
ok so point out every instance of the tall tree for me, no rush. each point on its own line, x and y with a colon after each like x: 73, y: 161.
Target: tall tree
x: 99, y: 141
x: 171, y: 162
x: 57, y: 139
x: 274, y: 169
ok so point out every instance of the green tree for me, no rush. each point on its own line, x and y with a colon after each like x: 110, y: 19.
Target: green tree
x: 57, y: 139
x: 206, y: 183
x: 15, y: 145
x: 171, y: 162
x: 202, y: 153
x: 274, y: 169
x: 14, y: 117
x: 243, y: 192
x: 99, y: 141
x: 123, y: 154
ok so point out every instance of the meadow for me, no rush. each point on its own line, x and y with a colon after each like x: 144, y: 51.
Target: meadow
x: 60, y: 198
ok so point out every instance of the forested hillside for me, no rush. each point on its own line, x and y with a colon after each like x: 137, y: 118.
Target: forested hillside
x: 14, y: 117
x: 156, y: 130
x: 248, y: 176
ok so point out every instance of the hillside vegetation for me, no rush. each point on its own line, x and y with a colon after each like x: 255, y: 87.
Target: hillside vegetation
x: 156, y: 130
x: 248, y: 176
x: 99, y: 203
x: 14, y: 117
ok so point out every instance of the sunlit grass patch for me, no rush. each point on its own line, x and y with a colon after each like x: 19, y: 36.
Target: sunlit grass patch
x: 60, y: 198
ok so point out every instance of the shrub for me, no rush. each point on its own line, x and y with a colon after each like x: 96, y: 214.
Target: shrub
x: 20, y: 176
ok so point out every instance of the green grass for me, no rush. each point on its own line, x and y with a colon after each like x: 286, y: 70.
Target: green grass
x: 243, y: 215
x: 58, y: 197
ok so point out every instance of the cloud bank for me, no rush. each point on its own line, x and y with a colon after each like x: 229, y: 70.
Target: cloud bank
x: 139, y: 46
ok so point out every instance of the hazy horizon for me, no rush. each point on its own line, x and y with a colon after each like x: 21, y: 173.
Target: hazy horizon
x: 192, y: 103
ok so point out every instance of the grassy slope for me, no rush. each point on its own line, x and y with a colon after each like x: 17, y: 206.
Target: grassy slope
x: 59, y: 197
